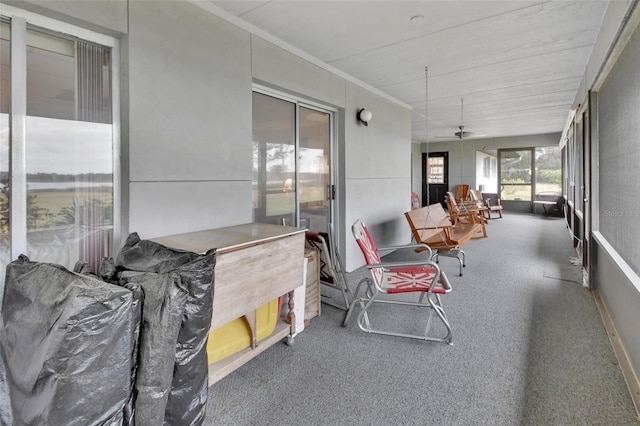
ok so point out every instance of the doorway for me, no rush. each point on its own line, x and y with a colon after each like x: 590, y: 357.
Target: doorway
x: 515, y: 175
x: 435, y: 177
x: 292, y: 175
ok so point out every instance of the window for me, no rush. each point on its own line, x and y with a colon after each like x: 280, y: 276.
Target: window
x: 515, y: 174
x: 548, y: 170
x: 487, y: 171
x: 435, y: 171
x: 60, y: 204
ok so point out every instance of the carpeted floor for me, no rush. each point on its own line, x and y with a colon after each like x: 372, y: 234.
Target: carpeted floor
x: 529, y: 349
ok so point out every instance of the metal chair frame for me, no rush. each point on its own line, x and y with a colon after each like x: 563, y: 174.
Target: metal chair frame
x: 332, y: 272
x: 392, y: 278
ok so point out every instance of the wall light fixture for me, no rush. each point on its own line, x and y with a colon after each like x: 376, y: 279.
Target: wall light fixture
x: 364, y: 116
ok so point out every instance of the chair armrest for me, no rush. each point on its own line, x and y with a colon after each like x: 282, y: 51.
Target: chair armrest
x: 408, y: 246
x: 391, y: 265
x: 444, y: 282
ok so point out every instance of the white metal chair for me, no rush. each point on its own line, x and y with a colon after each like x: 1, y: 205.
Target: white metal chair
x: 394, y: 279
x: 332, y: 272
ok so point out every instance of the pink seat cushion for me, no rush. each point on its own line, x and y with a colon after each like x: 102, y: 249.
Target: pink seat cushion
x: 411, y: 279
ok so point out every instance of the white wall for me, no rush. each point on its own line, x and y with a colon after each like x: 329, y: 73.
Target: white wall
x: 616, y: 137
x: 486, y: 165
x: 186, y: 81
x: 377, y: 172
x: 189, y: 120
x: 416, y: 172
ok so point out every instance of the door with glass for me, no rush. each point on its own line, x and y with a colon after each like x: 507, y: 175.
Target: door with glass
x: 57, y: 143
x: 435, y: 177
x: 292, y: 180
x: 516, y: 178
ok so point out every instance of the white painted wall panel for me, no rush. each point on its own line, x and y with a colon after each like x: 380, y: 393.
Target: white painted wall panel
x: 380, y: 203
x: 189, y: 94
x: 280, y: 68
x: 383, y: 148
x: 619, y: 154
x: 621, y: 294
x: 167, y: 208
x: 618, y: 207
x: 416, y: 170
x: 377, y: 171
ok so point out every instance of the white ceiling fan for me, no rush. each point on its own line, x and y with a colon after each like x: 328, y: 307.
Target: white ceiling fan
x: 461, y: 134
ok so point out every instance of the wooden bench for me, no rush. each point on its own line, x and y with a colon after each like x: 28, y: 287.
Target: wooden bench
x: 431, y: 225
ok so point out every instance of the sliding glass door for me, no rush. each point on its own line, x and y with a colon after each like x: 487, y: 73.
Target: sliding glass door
x: 274, y: 161
x: 58, y: 141
x: 292, y: 181
x: 314, y: 189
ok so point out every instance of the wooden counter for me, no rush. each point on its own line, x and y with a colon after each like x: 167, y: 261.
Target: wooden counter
x: 255, y: 263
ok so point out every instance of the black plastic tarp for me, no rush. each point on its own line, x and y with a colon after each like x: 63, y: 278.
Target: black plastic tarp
x: 66, y: 346
x: 193, y: 274
x: 126, y: 346
x: 163, y: 300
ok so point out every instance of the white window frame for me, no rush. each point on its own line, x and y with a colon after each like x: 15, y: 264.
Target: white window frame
x: 19, y: 20
x: 333, y: 112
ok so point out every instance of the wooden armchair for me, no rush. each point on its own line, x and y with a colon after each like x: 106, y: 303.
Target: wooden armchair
x: 476, y: 196
x: 469, y: 212
x: 493, y: 208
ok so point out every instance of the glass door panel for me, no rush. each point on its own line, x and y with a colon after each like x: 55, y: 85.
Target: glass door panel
x: 5, y: 84
x: 274, y: 161
x: 549, y: 170
x: 314, y: 170
x: 291, y: 163
x: 69, y: 151
x: 515, y: 174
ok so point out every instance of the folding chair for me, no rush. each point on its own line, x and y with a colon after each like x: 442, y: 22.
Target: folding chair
x: 331, y: 268
x: 393, y: 279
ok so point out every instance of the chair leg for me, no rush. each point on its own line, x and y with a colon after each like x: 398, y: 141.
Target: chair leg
x: 354, y: 299
x: 433, y: 302
x: 434, y: 305
x: 457, y: 253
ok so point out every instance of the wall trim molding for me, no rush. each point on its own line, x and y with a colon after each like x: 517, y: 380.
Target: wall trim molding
x: 633, y: 383
x: 633, y: 278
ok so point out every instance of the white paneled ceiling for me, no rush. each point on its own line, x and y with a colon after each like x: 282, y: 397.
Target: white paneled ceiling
x: 517, y: 64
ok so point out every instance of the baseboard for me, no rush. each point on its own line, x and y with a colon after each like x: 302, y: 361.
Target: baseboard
x: 630, y: 376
